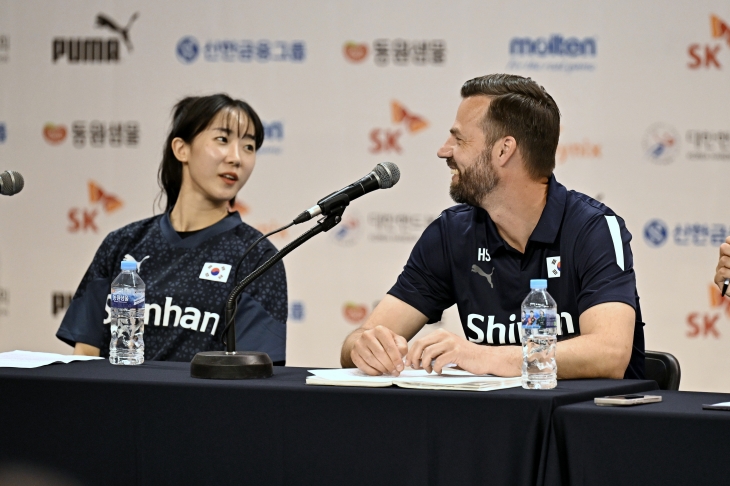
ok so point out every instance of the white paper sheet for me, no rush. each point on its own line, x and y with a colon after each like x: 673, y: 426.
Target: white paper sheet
x: 450, y: 379
x: 32, y: 359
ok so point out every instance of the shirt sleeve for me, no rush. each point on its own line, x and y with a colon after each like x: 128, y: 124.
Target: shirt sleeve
x: 262, y: 309
x: 426, y: 282
x: 605, y: 263
x: 84, y: 318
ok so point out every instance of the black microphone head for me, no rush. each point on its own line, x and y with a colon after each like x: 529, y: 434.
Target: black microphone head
x: 11, y: 182
x: 388, y: 174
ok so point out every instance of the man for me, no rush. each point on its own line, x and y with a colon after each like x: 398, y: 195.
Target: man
x: 515, y: 223
x: 722, y: 272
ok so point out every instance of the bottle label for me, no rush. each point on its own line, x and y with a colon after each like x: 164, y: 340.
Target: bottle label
x: 127, y: 300
x: 539, y: 319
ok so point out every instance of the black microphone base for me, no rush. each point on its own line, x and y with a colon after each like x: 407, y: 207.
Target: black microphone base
x: 236, y: 365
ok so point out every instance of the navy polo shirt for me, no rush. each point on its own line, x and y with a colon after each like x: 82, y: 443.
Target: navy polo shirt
x: 580, y: 246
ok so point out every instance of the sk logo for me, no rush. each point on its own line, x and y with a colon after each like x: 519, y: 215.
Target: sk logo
x: 413, y: 122
x: 720, y: 29
x: 387, y: 139
x: 553, y: 266
x: 109, y: 202
x: 706, y: 55
x: 84, y: 219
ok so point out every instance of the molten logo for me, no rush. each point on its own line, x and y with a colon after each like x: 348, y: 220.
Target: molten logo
x: 54, y: 134
x: 555, y: 45
x: 355, y: 52
x: 719, y: 29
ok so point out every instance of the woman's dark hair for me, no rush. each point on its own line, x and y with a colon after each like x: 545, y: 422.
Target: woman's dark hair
x: 523, y: 109
x: 191, y: 116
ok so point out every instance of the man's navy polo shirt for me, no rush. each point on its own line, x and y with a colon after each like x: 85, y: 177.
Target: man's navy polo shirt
x: 579, y: 245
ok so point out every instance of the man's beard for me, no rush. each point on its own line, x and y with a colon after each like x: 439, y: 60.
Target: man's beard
x: 475, y: 182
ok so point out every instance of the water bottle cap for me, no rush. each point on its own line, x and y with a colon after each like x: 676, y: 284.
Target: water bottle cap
x: 538, y: 283
x: 127, y: 265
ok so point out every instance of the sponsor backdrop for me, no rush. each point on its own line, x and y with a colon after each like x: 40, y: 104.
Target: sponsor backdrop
x: 86, y: 89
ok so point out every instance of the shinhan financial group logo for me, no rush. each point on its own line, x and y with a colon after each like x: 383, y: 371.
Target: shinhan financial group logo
x: 188, y: 50
x: 656, y: 233
x: 687, y: 234
x: 553, y: 53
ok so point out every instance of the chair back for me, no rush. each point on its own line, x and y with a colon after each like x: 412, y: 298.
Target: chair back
x: 664, y: 369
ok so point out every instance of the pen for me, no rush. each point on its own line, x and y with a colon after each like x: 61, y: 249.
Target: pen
x: 724, y: 286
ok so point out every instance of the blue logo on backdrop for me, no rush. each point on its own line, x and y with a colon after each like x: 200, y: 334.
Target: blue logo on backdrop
x: 3, y: 133
x: 661, y: 143
x: 655, y: 232
x: 273, y: 138
x: 553, y: 53
x: 232, y: 50
x: 187, y: 49
x: 296, y: 311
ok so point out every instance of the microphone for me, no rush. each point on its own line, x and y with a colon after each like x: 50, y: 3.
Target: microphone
x: 11, y: 182
x: 384, y: 176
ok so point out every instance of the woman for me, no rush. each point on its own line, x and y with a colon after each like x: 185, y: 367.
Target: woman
x: 186, y: 255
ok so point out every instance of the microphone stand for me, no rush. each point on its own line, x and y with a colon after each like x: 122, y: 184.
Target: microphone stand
x: 240, y: 365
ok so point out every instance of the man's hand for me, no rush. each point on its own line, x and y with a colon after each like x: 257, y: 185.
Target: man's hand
x: 440, y: 348
x: 379, y: 351
x: 379, y: 345
x: 445, y: 348
x: 723, y: 265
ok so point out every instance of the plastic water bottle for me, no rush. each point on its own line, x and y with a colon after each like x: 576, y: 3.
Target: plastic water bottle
x: 539, y: 337
x: 127, y: 344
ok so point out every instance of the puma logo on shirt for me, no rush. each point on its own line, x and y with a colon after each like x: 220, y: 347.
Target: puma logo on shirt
x: 479, y: 271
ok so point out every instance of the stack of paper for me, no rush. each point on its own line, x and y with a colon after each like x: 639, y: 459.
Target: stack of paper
x: 451, y: 379
x: 31, y: 359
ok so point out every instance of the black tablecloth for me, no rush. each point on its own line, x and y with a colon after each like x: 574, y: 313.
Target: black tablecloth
x: 153, y: 424
x: 671, y: 442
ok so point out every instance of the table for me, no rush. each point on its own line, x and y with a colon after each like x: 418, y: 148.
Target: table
x: 153, y: 424
x: 671, y: 442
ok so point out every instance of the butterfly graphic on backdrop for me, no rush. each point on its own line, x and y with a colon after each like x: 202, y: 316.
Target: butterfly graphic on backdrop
x: 413, y: 122
x: 109, y: 202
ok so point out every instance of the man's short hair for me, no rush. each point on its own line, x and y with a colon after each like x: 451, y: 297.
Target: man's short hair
x: 522, y: 109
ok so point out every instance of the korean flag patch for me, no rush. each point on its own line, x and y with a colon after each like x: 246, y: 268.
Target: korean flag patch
x: 217, y: 272
x: 553, y: 266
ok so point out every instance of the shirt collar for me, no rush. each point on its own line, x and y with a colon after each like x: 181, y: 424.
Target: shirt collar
x: 229, y: 222
x: 494, y: 239
x: 552, y: 215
